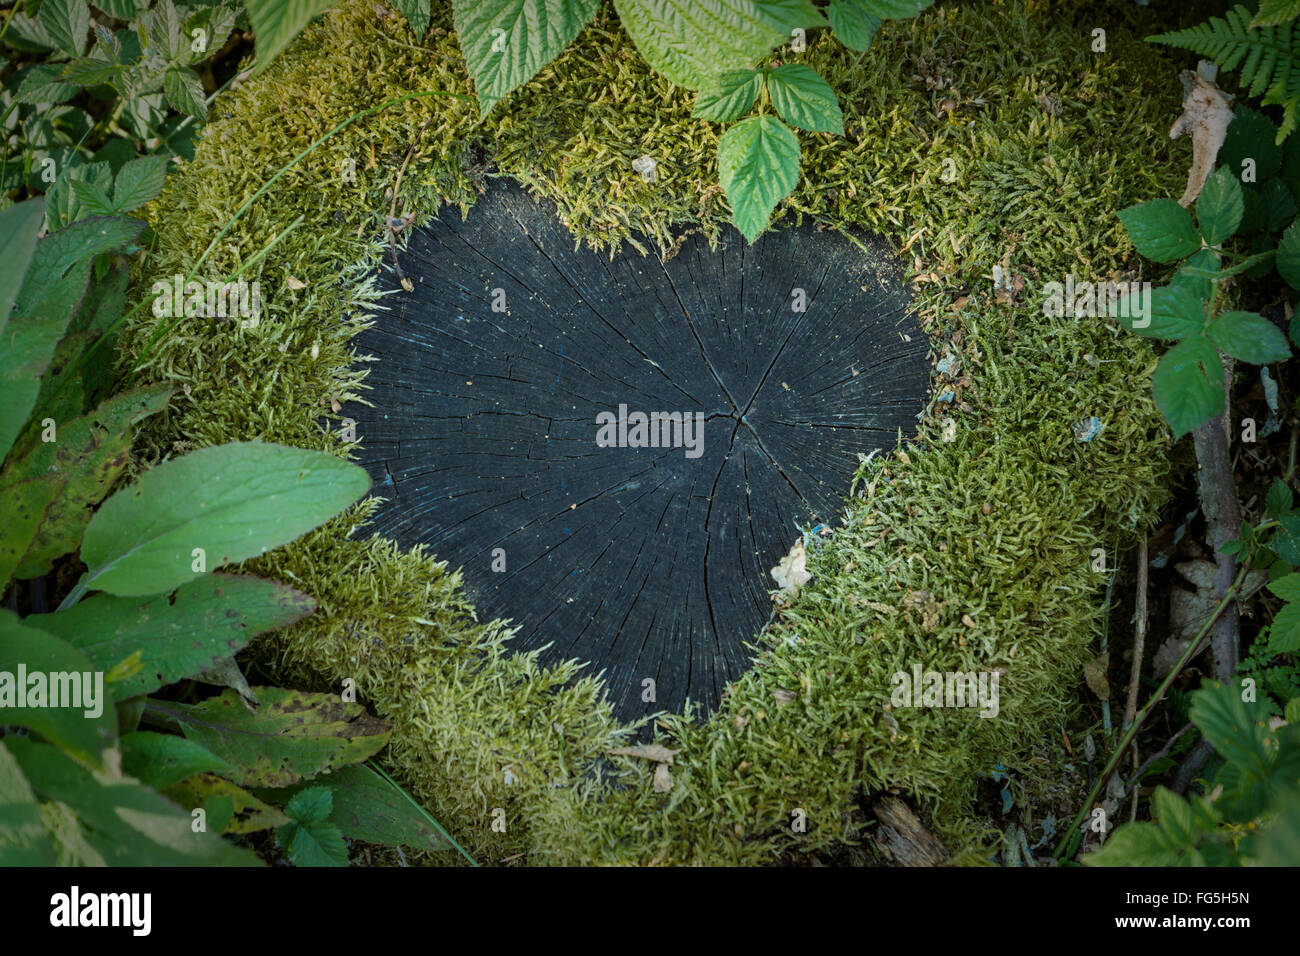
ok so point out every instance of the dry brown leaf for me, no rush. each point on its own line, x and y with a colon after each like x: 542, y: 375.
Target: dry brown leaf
x: 1094, y: 672
x: 663, y: 781
x: 656, y: 752
x: 1207, y: 111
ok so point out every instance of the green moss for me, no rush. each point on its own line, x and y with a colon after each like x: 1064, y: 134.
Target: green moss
x: 965, y: 554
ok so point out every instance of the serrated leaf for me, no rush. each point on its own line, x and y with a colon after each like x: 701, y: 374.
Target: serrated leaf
x: 730, y: 98
x: 1175, y: 313
x: 1249, y: 337
x: 41, y: 85
x: 277, y: 22
x: 184, y: 91
x: 85, y: 723
x: 1279, y: 203
x: 89, y: 72
x: 1174, y: 815
x: 417, y: 15
x: 758, y: 163
x: 233, y: 502
x: 161, y: 760
x: 292, y: 735
x: 1134, y: 844
x: 139, y: 181
x: 1161, y: 230
x: 367, y: 807
x: 68, y: 24
x: 804, y: 99
x: 692, y: 42
x: 1250, y: 136
x: 92, y: 198
x: 319, y: 844
x: 310, y: 805
x: 81, y: 466
x: 1227, y: 723
x: 1192, y: 275
x: 177, y: 635
x: 507, y: 42
x: 896, y: 9
x: 122, y: 821
x: 852, y: 23
x: 1188, y: 385
x: 1277, y: 502
x: 1288, y: 256
x: 249, y: 814
x: 1219, y: 207
x: 1284, y: 633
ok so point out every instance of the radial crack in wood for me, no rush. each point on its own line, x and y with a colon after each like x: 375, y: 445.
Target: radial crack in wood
x: 786, y: 360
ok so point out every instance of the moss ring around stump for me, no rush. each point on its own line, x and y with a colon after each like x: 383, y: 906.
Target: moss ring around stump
x: 617, y: 451
x: 965, y: 549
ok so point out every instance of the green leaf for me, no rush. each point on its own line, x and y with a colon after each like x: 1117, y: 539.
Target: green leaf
x: 249, y: 814
x: 1288, y: 256
x: 1174, y: 815
x: 62, y: 206
x: 1284, y: 633
x: 1219, y: 207
x: 18, y: 228
x: 731, y: 97
x: 1191, y: 276
x: 68, y: 24
x: 90, y: 72
x: 308, y: 839
x: 804, y: 99
x: 758, y: 163
x: 292, y: 735
x: 417, y: 14
x: 123, y: 822
x: 692, y: 42
x: 1135, y: 844
x: 277, y: 22
x: 1175, y: 313
x: 23, y: 838
x: 41, y: 85
x: 1280, y: 204
x: 1188, y: 385
x: 1277, y: 503
x: 40, y: 669
x: 1275, y: 12
x: 175, y: 636
x: 852, y: 23
x: 1249, y: 337
x: 1251, y: 137
x: 81, y: 466
x: 507, y: 42
x: 367, y: 807
x: 161, y: 760
x: 184, y: 91
x: 91, y: 198
x: 1161, y: 230
x: 139, y: 181
x: 1226, y: 722
x: 25, y: 501
x: 896, y: 9
x: 233, y: 502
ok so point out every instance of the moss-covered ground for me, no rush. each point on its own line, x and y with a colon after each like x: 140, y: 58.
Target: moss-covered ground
x: 967, y: 549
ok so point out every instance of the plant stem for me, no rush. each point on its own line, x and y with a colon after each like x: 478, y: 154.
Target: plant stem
x: 1071, y: 835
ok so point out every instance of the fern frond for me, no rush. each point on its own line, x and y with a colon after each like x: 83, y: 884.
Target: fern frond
x: 1263, y: 54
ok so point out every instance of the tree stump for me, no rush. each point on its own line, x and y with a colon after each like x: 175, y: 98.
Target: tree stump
x: 505, y: 428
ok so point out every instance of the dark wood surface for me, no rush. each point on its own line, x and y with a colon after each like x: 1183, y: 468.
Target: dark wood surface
x: 644, y: 561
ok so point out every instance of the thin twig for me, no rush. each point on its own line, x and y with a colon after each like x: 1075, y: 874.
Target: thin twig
x: 1139, y: 634
x: 392, y: 209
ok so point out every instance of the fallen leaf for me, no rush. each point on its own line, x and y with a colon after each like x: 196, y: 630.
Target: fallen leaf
x: 663, y: 781
x: 656, y: 752
x: 1094, y: 672
x: 792, y: 573
x: 1207, y: 111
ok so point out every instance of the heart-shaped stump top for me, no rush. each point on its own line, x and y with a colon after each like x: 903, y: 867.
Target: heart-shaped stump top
x: 618, y: 452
